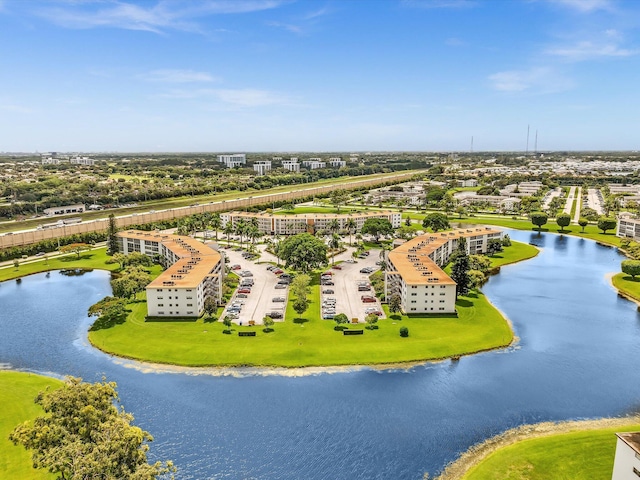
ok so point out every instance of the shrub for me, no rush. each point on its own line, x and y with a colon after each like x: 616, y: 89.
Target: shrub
x: 404, y: 332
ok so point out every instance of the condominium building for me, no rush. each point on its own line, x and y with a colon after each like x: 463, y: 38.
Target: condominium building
x: 471, y: 182
x: 314, y: 163
x: 626, y: 464
x: 82, y: 161
x: 194, y: 272
x: 291, y: 165
x: 50, y: 161
x: 233, y: 160
x: 261, y: 167
x: 628, y: 226
x: 414, y: 269
x: 271, y: 224
x: 337, y: 162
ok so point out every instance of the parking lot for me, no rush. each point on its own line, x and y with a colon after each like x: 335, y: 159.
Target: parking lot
x: 345, y: 288
x: 258, y: 303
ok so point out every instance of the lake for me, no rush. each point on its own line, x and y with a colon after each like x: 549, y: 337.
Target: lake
x: 575, y: 358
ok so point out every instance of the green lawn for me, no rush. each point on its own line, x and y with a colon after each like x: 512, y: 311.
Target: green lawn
x: 627, y: 285
x: 308, y: 341
x: 517, y: 252
x: 582, y: 455
x: 91, y: 259
x: 17, y: 391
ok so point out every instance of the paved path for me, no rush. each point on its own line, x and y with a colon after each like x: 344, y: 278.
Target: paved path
x: 576, y: 215
x: 594, y: 200
x: 569, y: 203
x: 550, y: 196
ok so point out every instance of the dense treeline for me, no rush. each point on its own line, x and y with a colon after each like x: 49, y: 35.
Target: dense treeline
x: 51, y: 245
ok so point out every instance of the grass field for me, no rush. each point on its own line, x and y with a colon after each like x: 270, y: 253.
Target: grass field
x: 627, y: 285
x: 17, y: 391
x: 517, y: 252
x: 581, y: 455
x: 91, y: 259
x: 308, y: 340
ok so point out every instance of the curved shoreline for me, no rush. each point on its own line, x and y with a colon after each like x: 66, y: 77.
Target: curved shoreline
x: 476, y: 454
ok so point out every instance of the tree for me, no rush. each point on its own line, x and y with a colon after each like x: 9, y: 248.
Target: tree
x: 300, y: 285
x: 460, y: 268
x: 377, y: 227
x: 112, y: 235
x: 83, y: 434
x: 300, y: 305
x: 215, y: 223
x: 539, y: 219
x: 228, y: 230
x: 334, y: 226
x: 268, y: 324
x: 334, y: 245
x: 404, y: 332
x: 606, y: 223
x: 371, y: 320
x: 563, y: 220
x: 76, y: 248
x: 338, y: 198
x: 210, y: 306
x: 583, y: 222
x: 350, y: 226
x: 395, y: 303
x: 407, y: 221
x: 631, y: 267
x: 436, y: 221
x: 226, y: 321
x: 16, y: 263
x: 476, y: 278
x: 340, y: 319
x: 494, y: 245
x: 303, y: 252
x: 461, y: 211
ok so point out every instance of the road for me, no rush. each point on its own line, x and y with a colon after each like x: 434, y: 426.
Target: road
x: 594, y: 200
x: 569, y: 202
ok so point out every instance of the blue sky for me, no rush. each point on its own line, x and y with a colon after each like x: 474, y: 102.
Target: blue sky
x: 318, y: 75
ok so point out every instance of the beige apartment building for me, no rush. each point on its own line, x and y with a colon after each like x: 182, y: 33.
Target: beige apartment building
x: 414, y: 269
x: 193, y: 272
x: 271, y: 224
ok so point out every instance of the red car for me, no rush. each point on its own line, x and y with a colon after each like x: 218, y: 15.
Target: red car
x: 235, y: 267
x: 244, y: 290
x: 278, y: 271
x: 368, y: 299
x: 337, y: 267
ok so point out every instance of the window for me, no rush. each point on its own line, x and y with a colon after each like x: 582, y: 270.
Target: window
x: 161, y: 304
x: 413, y: 309
x: 160, y: 313
x: 160, y: 298
x: 413, y: 301
x: 189, y: 304
x: 636, y: 471
x: 414, y: 294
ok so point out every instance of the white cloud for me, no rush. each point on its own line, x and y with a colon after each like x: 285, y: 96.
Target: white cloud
x: 586, y: 50
x: 585, y: 6
x: 177, y: 76
x: 536, y: 80
x: 160, y: 16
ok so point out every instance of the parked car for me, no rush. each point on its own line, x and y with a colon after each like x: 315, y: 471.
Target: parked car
x: 278, y: 271
x: 364, y: 288
x: 246, y: 273
x: 235, y: 267
x: 368, y: 299
x: 373, y: 310
x: 328, y: 316
x: 327, y: 283
x: 278, y: 299
x: 327, y: 273
x: 242, y: 295
x: 337, y: 267
x: 280, y: 286
x: 366, y: 270
x: 271, y: 268
x: 275, y: 314
x: 328, y: 291
x: 244, y: 290
x: 40, y: 254
x: 350, y: 260
x: 284, y: 281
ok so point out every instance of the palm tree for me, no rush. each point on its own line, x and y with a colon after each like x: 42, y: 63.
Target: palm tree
x: 228, y: 230
x: 334, y: 226
x: 334, y: 244
x: 351, y: 226
x: 239, y: 229
x: 215, y: 222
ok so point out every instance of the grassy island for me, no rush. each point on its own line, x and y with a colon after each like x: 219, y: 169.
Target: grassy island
x: 578, y: 450
x: 17, y: 391
x: 297, y: 342
x: 627, y: 286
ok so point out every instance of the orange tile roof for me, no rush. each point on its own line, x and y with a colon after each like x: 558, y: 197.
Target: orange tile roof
x: 412, y: 261
x: 195, y: 264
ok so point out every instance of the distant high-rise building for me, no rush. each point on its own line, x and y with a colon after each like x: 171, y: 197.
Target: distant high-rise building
x: 233, y: 160
x: 291, y: 165
x: 261, y: 167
